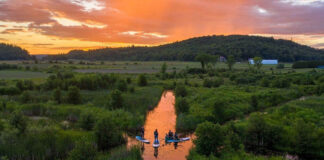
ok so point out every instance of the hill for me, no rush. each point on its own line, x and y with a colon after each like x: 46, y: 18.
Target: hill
x: 242, y: 47
x: 11, y: 52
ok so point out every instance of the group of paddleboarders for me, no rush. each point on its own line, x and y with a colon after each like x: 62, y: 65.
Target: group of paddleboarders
x: 168, y: 136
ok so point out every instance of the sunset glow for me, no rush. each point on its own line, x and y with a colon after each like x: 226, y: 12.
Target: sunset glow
x: 53, y: 27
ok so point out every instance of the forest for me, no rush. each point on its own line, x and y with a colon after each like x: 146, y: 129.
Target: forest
x: 11, y: 52
x: 240, y: 46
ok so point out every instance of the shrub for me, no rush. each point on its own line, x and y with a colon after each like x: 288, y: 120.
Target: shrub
x: 57, y: 96
x: 307, y: 64
x: 9, y: 91
x: 280, y: 66
x: 182, y: 106
x: 181, y: 91
x: 142, y: 81
x: 210, y: 138
x: 25, y: 97
x: 83, y: 150
x: 122, y: 85
x: 213, y: 82
x: 74, y: 96
x: 116, y: 99
x: 107, y: 134
x: 18, y: 121
x: 87, y: 121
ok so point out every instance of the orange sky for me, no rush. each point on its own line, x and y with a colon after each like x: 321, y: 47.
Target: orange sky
x: 51, y: 27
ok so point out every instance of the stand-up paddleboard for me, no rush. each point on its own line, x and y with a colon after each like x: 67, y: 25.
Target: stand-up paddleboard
x: 178, y: 140
x: 139, y: 138
x: 156, y: 144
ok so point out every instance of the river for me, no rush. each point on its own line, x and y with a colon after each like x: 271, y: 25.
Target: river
x: 163, y: 118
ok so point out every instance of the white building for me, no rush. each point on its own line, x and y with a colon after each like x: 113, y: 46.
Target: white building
x: 265, y: 61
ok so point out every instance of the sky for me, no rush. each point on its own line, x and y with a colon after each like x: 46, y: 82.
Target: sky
x: 57, y: 26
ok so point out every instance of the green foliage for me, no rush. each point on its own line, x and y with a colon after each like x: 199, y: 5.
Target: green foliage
x: 122, y: 85
x: 240, y: 46
x: 116, y: 99
x: 57, y: 95
x: 107, y: 134
x: 74, y: 96
x: 307, y: 64
x: 182, y: 106
x: 25, y: 97
x: 205, y: 59
x: 164, y: 68
x: 142, y: 81
x: 180, y: 91
x: 123, y: 153
x: 83, y: 150
x: 210, y: 138
x: 257, y: 62
x: 18, y: 121
x: 216, y: 82
x: 11, y: 52
x: 230, y: 62
x: 87, y: 121
x: 280, y: 66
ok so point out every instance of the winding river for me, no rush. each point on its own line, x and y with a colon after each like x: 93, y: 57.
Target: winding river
x: 163, y: 118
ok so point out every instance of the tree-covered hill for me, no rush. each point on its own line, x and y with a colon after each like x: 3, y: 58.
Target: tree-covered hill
x: 242, y: 47
x: 11, y: 52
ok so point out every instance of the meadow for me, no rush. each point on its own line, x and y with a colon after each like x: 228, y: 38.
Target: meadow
x: 83, y: 109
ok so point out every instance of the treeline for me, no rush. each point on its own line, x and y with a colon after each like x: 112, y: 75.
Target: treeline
x: 241, y: 47
x: 11, y: 52
x: 308, y: 64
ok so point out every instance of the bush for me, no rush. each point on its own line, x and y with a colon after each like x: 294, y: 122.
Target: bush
x: 107, y: 134
x: 57, y: 96
x: 83, y: 150
x: 18, y: 121
x: 307, y: 64
x: 280, y: 66
x: 180, y: 91
x: 142, y: 81
x: 213, y: 82
x: 182, y: 106
x: 122, y: 85
x: 281, y: 83
x: 25, y: 97
x: 9, y: 91
x: 210, y: 138
x: 116, y: 99
x: 74, y: 96
x: 87, y: 121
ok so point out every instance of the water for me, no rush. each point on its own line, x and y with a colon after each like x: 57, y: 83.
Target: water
x: 163, y: 118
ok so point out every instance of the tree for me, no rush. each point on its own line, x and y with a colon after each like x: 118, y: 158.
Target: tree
x: 74, y: 96
x: 18, y: 121
x: 107, y: 134
x: 182, y: 106
x: 57, y: 96
x: 122, y: 85
x: 87, y: 121
x: 230, y: 62
x: 204, y: 59
x: 257, y: 62
x: 210, y: 138
x: 116, y: 99
x: 164, y: 67
x: 25, y: 97
x: 181, y: 91
x: 142, y: 81
x: 83, y: 150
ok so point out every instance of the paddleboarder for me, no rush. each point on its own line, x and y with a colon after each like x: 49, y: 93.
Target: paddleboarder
x: 156, y: 135
x: 142, y: 132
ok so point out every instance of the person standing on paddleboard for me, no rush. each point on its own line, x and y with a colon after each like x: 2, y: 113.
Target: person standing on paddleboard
x: 156, y: 135
x: 142, y: 132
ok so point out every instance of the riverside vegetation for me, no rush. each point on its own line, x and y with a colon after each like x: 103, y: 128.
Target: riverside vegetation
x: 250, y: 112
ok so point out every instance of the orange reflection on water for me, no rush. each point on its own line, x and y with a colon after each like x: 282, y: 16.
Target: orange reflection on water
x: 163, y: 118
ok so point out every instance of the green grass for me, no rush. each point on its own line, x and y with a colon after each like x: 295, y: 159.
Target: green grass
x: 13, y: 74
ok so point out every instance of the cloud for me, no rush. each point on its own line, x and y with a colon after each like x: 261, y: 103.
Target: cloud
x: 12, y: 31
x: 153, y: 22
